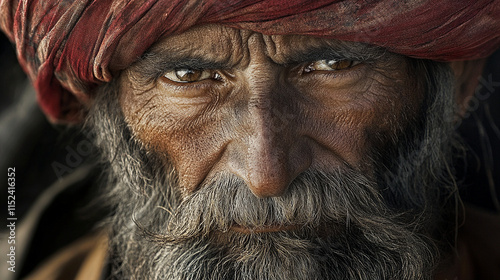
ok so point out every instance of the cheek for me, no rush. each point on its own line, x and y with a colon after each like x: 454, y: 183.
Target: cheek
x: 188, y: 135
x: 352, y: 121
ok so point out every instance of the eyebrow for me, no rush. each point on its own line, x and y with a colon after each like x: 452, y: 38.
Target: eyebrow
x: 154, y: 65
x: 344, y: 51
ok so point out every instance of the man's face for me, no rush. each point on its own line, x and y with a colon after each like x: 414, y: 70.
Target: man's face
x: 273, y: 157
x: 265, y: 108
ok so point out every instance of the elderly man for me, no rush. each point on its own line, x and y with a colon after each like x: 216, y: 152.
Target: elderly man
x: 268, y: 139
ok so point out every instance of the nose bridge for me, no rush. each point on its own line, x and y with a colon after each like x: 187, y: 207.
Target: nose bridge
x: 263, y: 83
x: 269, y: 166
x: 268, y: 170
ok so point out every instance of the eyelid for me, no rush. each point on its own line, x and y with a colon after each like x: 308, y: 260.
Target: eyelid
x: 172, y: 75
x: 205, y: 75
x: 323, y: 65
x: 332, y: 77
x: 199, y: 92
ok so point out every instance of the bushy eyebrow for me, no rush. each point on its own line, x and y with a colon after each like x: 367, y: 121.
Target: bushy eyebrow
x: 346, y: 51
x: 153, y: 65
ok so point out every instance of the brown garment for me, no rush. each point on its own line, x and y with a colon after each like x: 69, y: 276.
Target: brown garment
x: 84, y: 259
x: 478, y: 248
x: 481, y: 235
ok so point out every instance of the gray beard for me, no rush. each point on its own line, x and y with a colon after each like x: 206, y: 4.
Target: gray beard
x: 346, y: 233
x: 351, y: 226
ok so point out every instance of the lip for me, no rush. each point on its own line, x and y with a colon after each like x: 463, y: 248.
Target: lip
x: 263, y: 229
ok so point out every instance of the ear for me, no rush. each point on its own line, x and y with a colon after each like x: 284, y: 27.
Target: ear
x: 467, y: 75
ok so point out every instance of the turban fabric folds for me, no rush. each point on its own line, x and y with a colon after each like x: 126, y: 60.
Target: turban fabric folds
x: 68, y: 47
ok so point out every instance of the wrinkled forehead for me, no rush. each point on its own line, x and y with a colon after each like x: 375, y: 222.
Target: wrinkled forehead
x: 228, y: 47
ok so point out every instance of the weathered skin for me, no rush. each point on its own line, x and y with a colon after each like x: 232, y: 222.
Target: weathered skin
x: 265, y: 118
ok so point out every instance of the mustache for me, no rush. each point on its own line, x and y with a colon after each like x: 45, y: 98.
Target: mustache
x: 339, y: 199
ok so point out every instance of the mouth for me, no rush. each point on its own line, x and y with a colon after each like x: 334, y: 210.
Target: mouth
x: 263, y: 229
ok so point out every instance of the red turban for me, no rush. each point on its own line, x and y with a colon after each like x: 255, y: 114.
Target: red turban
x: 68, y: 47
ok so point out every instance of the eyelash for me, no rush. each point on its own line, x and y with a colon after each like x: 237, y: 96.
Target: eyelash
x: 351, y: 72
x: 209, y: 87
x: 178, y: 86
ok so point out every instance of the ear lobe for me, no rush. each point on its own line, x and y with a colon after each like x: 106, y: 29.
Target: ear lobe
x: 467, y: 75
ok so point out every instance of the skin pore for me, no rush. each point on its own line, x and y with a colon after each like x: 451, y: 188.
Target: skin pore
x: 265, y: 108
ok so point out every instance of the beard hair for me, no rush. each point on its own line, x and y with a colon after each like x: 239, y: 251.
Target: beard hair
x: 351, y: 226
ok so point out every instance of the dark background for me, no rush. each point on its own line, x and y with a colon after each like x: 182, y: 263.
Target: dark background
x: 30, y: 144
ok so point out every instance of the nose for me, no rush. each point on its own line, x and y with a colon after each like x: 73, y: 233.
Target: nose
x: 271, y: 152
x: 272, y: 159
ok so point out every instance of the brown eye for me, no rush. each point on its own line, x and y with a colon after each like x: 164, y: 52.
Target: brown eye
x: 330, y: 65
x: 187, y: 75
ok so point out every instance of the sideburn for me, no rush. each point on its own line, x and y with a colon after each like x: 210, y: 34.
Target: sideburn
x: 421, y: 180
